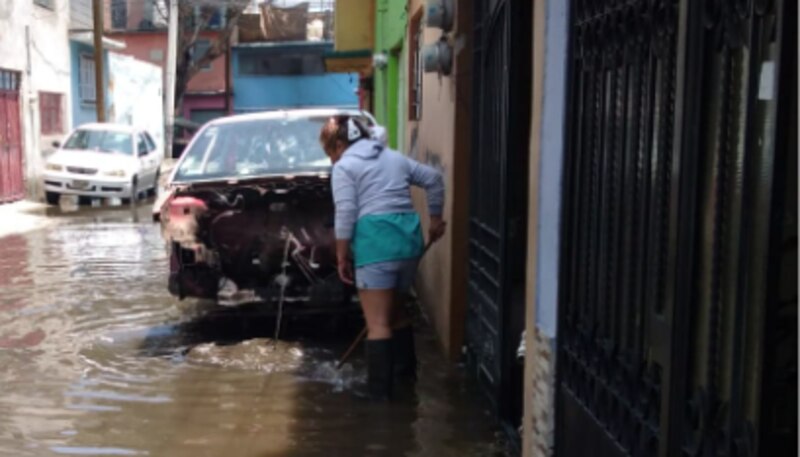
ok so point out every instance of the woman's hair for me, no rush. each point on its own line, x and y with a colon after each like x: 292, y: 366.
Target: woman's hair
x: 344, y: 128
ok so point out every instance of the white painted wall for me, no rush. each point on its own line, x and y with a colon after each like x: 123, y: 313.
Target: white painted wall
x: 135, y: 94
x: 44, y: 62
x: 80, y: 14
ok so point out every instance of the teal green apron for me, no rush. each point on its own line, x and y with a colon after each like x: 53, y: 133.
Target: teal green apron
x: 387, y: 237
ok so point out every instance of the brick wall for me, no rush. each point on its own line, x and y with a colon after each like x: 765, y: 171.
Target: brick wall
x: 541, y: 355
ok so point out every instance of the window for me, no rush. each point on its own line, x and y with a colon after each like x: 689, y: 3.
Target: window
x: 415, y: 69
x: 100, y: 141
x: 151, y: 144
x: 9, y: 80
x: 246, y: 149
x: 49, y: 4
x: 50, y: 113
x: 86, y: 79
x: 119, y: 14
x: 281, y: 64
x: 200, y: 49
x: 141, y: 145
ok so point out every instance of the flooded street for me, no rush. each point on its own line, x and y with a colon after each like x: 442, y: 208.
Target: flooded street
x: 97, y: 359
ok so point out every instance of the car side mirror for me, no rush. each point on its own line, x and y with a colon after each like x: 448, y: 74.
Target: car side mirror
x: 142, y: 153
x: 56, y: 144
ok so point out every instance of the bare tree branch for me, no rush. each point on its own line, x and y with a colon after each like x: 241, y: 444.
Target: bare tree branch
x: 190, y: 28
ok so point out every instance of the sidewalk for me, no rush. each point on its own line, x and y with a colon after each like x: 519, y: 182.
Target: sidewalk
x: 22, y: 216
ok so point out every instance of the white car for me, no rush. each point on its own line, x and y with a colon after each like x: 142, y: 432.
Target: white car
x: 103, y: 161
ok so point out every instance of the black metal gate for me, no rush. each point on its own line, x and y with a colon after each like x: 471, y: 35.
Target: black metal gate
x: 498, y: 203
x: 670, y: 209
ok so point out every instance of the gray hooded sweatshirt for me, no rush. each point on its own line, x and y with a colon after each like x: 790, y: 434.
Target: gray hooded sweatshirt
x: 371, y: 179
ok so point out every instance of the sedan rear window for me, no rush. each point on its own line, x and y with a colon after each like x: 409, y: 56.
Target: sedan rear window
x: 100, y: 140
x: 253, y: 148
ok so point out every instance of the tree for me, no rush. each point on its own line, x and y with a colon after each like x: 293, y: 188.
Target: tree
x: 194, y: 17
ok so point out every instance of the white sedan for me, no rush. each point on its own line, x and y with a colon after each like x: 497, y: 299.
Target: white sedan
x: 103, y: 161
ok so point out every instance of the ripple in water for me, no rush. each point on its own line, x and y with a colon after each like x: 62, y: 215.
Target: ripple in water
x: 260, y: 354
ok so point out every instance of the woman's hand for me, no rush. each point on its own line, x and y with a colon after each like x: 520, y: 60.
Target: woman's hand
x: 345, y: 269
x: 436, y: 229
x: 343, y: 263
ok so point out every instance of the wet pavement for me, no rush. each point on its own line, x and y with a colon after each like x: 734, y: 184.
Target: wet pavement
x: 97, y: 359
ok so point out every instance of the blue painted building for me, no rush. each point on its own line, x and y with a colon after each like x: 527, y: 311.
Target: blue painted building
x: 83, y: 77
x: 288, y: 75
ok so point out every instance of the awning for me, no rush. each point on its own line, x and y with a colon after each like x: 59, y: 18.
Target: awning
x: 88, y: 39
x: 349, y: 61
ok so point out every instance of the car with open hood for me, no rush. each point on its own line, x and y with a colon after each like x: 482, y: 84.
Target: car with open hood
x: 248, y: 213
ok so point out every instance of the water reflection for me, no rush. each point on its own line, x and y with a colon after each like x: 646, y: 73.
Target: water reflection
x: 97, y: 359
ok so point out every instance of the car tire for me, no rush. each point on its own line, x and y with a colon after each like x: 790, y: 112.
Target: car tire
x: 52, y: 198
x: 134, y: 192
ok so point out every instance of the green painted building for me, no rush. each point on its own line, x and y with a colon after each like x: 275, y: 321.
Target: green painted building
x: 391, y: 18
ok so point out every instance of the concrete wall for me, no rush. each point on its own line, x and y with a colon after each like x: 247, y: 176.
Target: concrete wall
x: 48, y: 54
x: 80, y: 12
x: 441, y: 138
x: 152, y: 47
x: 550, y: 34
x: 135, y: 94
x: 84, y: 112
x: 263, y: 92
x: 354, y: 23
x: 211, y: 102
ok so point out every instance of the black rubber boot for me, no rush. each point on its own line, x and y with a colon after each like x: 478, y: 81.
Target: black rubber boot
x: 380, y: 366
x: 405, y: 355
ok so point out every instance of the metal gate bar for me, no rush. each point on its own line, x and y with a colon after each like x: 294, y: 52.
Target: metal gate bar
x: 668, y: 191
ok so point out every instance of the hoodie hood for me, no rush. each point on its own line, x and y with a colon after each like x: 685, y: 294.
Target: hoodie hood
x: 364, y: 149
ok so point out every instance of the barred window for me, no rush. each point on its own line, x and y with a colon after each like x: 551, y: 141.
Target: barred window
x: 86, y: 79
x: 50, y: 113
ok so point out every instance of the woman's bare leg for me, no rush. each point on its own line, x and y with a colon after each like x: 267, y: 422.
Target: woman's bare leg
x: 378, y: 306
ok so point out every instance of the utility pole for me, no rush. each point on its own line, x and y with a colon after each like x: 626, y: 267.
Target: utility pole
x: 99, y: 87
x: 172, y: 63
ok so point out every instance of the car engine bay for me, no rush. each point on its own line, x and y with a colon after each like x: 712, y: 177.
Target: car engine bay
x: 266, y: 240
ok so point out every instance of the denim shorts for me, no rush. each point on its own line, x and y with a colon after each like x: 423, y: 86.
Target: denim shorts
x: 398, y: 275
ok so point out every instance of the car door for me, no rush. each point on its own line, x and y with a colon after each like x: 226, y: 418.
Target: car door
x: 146, y: 161
x: 155, y: 155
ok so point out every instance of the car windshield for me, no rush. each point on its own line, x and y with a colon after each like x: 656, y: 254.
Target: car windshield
x: 253, y: 148
x: 100, y: 140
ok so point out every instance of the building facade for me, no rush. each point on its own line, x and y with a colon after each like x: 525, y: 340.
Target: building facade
x: 607, y: 176
x: 141, y: 27
x: 288, y: 75
x: 35, y: 67
x: 84, y: 85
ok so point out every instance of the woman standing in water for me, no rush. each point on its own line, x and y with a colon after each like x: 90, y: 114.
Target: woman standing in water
x: 376, y: 223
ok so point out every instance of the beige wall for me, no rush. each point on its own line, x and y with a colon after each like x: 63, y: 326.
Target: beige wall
x: 441, y: 139
x: 354, y: 25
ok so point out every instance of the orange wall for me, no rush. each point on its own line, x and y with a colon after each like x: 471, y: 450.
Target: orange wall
x: 140, y: 45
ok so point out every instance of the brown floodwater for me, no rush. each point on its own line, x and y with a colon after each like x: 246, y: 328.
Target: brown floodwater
x: 97, y: 359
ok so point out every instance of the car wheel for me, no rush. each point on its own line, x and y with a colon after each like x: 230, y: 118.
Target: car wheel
x: 134, y: 192
x: 52, y: 198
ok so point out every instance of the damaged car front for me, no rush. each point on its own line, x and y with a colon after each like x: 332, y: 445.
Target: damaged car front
x: 248, y: 215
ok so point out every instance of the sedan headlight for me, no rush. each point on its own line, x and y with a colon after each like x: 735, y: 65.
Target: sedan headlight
x: 53, y: 167
x: 115, y: 173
